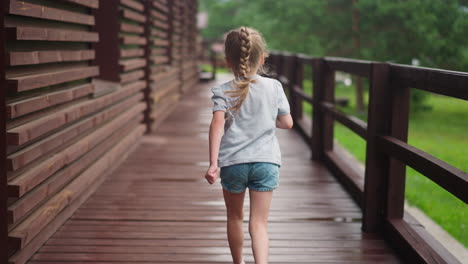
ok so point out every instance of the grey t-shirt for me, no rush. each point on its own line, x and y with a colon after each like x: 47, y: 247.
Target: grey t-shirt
x: 249, y: 136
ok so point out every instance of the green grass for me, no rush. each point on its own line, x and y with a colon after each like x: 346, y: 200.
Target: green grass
x: 441, y: 132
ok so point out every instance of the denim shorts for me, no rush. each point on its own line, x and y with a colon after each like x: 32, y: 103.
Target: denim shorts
x: 258, y: 176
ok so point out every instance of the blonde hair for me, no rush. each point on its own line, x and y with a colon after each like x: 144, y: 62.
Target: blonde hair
x: 243, y: 49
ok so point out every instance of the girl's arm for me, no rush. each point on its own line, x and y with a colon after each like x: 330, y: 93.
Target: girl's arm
x: 284, y: 121
x: 216, y: 132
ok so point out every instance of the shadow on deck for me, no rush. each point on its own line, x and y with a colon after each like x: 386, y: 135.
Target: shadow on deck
x: 157, y: 207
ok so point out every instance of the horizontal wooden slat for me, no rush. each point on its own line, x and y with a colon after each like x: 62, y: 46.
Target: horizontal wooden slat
x: 39, y: 149
x: 133, y: 4
x: 22, y: 107
x: 87, y: 3
x: 159, y: 33
x: 124, y: 53
x: 160, y: 59
x: 86, y: 145
x: 132, y: 40
x: 131, y: 64
x: 347, y: 172
x: 34, y: 81
x: 125, y: 27
x: 158, y: 15
x: 32, y: 10
x: 450, y: 83
x: 50, y: 34
x: 132, y: 76
x: 161, y: 42
x: 160, y: 6
x: 75, y: 194
x: 32, y: 130
x: 357, y: 125
x: 16, y: 58
x: 450, y: 178
x: 302, y: 94
x: 160, y: 24
x: 413, y: 239
x: 133, y: 15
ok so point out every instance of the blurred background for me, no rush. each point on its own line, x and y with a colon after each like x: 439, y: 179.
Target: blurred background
x: 427, y: 33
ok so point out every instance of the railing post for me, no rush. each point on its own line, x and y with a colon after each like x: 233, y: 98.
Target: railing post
x: 384, y: 184
x: 294, y: 78
x: 299, y: 82
x: 322, y: 125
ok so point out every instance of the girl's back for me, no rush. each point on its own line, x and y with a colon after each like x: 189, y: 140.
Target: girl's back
x: 249, y: 133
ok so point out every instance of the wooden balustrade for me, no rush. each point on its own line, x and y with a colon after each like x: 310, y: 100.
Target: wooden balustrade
x: 380, y: 188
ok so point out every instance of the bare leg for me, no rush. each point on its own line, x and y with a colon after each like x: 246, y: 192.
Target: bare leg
x: 259, y: 210
x: 235, y: 216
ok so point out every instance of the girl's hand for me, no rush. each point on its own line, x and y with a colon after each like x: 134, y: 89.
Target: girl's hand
x: 212, y: 174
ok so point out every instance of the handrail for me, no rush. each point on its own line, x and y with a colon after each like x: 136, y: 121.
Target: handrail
x: 381, y: 197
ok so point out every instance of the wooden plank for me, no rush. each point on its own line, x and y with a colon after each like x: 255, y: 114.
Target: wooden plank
x: 347, y: 173
x: 22, y: 8
x: 47, y: 78
x: 124, y: 53
x: 160, y: 59
x: 94, y: 176
x: 302, y: 94
x: 87, y: 3
x: 31, y: 226
x: 131, y: 64
x: 415, y: 242
x: 39, y: 149
x: 445, y: 175
x: 16, y: 58
x: 357, y: 125
x: 131, y: 15
x: 52, y: 184
x: 356, y: 67
x: 159, y: 15
x: 132, y: 76
x: 32, y: 130
x: 125, y: 27
x: 160, y: 24
x: 132, y: 40
x: 23, y: 107
x: 133, y: 4
x: 160, y: 42
x: 49, y: 34
x: 160, y: 6
x: 449, y: 83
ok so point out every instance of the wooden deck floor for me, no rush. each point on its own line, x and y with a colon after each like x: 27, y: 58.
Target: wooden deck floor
x: 157, y: 208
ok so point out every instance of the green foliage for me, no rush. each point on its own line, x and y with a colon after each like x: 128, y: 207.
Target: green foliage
x: 432, y: 31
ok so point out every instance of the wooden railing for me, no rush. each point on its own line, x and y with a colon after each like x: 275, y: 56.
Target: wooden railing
x: 379, y: 189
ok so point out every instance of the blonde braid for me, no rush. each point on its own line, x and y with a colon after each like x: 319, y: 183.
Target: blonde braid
x: 244, y: 66
x: 244, y: 69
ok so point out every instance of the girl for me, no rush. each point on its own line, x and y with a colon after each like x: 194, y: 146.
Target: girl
x: 247, y: 109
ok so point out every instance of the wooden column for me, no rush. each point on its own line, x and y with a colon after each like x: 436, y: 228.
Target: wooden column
x: 299, y: 79
x: 147, y: 91
x: 384, y: 177
x: 322, y: 125
x: 108, y: 47
x: 3, y: 146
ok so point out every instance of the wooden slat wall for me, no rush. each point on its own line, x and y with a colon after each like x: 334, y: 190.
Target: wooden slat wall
x: 164, y: 79
x: 79, y: 97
